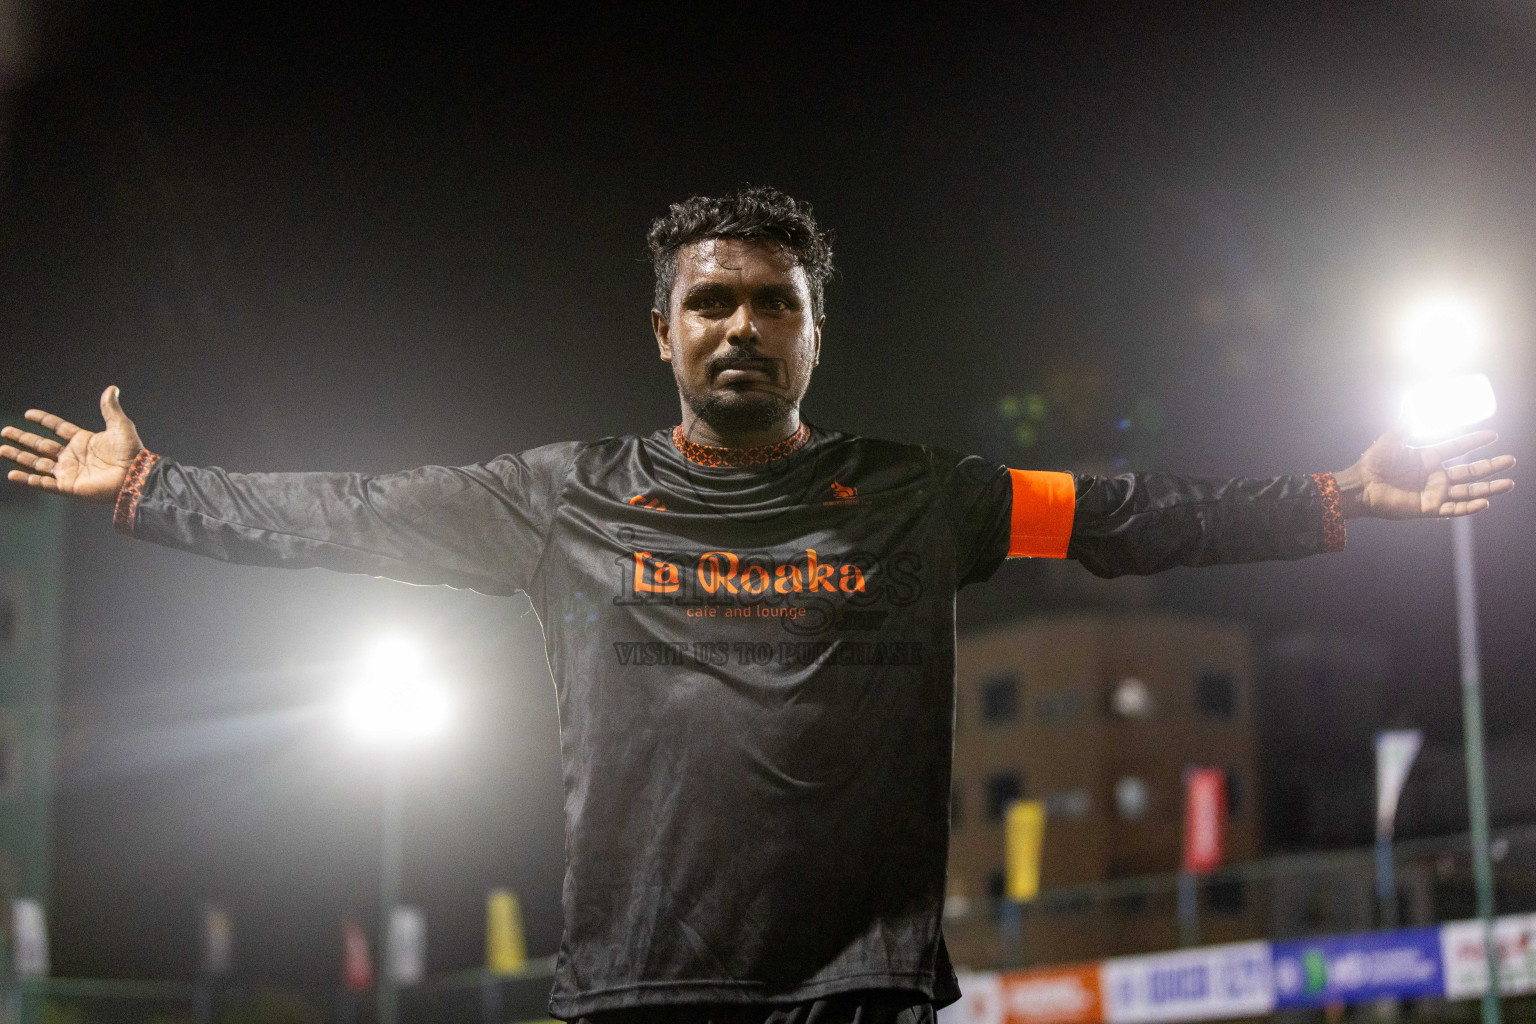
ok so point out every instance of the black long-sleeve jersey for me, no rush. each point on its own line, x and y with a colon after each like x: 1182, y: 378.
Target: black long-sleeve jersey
x: 754, y: 658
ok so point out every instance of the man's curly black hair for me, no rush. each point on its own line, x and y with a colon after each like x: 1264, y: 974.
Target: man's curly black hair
x: 755, y: 213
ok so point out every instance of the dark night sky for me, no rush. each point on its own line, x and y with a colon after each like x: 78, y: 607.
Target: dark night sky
x: 321, y: 240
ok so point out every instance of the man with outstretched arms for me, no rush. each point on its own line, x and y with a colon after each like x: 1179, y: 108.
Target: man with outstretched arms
x: 750, y: 623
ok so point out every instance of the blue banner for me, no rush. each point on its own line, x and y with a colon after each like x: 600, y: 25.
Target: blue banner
x: 1358, y: 968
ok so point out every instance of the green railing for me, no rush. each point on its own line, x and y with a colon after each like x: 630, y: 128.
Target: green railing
x: 463, y: 997
x: 1275, y: 898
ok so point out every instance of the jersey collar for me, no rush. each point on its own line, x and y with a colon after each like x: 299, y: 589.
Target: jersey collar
x: 707, y: 455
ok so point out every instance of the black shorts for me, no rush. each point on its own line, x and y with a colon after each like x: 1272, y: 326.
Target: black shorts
x: 873, y: 1006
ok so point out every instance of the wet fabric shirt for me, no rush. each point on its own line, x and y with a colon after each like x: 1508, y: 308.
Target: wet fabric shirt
x: 754, y: 665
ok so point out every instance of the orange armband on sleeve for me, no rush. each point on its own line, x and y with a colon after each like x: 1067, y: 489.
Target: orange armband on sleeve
x: 1041, y: 523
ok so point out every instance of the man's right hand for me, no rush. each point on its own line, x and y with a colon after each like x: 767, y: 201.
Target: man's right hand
x: 89, y: 464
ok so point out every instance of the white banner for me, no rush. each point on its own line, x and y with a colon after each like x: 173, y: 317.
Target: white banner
x: 1396, y: 750
x: 29, y: 929
x: 218, y: 941
x: 1191, y: 985
x: 407, y: 945
x: 981, y: 1001
x: 1466, y: 965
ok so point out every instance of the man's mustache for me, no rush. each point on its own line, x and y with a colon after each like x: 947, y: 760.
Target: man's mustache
x: 761, y: 364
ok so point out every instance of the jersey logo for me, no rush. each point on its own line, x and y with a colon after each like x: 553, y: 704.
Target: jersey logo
x: 645, y: 502
x: 842, y: 495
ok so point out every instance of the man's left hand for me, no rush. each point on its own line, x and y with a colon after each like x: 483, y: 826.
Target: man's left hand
x: 1394, y: 481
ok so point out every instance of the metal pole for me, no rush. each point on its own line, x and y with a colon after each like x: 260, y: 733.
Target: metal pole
x: 390, y: 853
x: 1386, y: 879
x: 490, y: 999
x: 1189, y: 909
x: 1472, y: 730
x: 1012, y: 912
x: 202, y: 1001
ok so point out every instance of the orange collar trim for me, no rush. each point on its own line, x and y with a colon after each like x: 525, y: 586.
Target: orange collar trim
x: 707, y: 455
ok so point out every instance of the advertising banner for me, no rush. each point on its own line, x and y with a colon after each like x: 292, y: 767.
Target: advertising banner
x: 1358, y: 968
x: 1466, y: 966
x: 1190, y: 985
x: 1049, y: 995
x: 1060, y: 995
x: 981, y: 1000
x: 1205, y: 819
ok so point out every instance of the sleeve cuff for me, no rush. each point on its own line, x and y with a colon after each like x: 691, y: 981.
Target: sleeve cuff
x: 1333, y: 518
x: 127, y: 508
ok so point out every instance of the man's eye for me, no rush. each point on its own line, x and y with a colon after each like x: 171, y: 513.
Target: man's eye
x: 777, y: 305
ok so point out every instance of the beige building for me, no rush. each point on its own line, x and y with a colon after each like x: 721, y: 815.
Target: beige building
x: 1098, y: 715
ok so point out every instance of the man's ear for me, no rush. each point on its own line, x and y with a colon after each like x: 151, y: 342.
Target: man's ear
x: 662, y: 329
x: 816, y: 345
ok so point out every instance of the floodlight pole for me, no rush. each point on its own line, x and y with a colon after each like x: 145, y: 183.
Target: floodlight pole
x: 391, y: 843
x: 1472, y: 735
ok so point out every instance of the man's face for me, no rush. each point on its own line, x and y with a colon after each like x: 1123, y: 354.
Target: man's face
x: 739, y: 335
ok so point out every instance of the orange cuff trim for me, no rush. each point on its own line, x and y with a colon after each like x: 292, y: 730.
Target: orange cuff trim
x: 1333, y: 518
x: 1043, y: 504
x: 128, y: 495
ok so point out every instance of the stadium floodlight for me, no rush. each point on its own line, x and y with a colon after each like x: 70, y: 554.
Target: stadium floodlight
x: 393, y: 695
x: 1439, y: 408
x: 1442, y: 331
x: 394, y: 700
x: 1441, y: 335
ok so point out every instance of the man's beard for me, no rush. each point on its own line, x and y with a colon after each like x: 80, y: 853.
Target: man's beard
x: 749, y: 410
x: 738, y: 412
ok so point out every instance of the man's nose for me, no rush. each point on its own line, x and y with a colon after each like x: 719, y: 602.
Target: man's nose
x: 739, y: 329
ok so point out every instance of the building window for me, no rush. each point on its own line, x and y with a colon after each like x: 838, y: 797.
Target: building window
x: 1000, y: 698
x: 1060, y: 706
x: 10, y: 616
x: 1216, y: 695
x: 1131, y: 798
x: 1129, y: 904
x: 1003, y: 789
x: 1067, y: 803
x: 10, y: 757
x: 1226, y: 895
x: 1067, y: 903
x: 956, y: 803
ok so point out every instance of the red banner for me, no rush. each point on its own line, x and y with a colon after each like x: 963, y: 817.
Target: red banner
x: 356, y: 964
x: 1205, y: 819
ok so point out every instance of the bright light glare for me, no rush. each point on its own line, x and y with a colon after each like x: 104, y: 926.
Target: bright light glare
x: 1439, y: 408
x: 393, y: 696
x: 1443, y: 331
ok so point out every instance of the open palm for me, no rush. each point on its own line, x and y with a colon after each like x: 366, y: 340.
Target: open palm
x: 88, y: 464
x: 1399, y: 482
